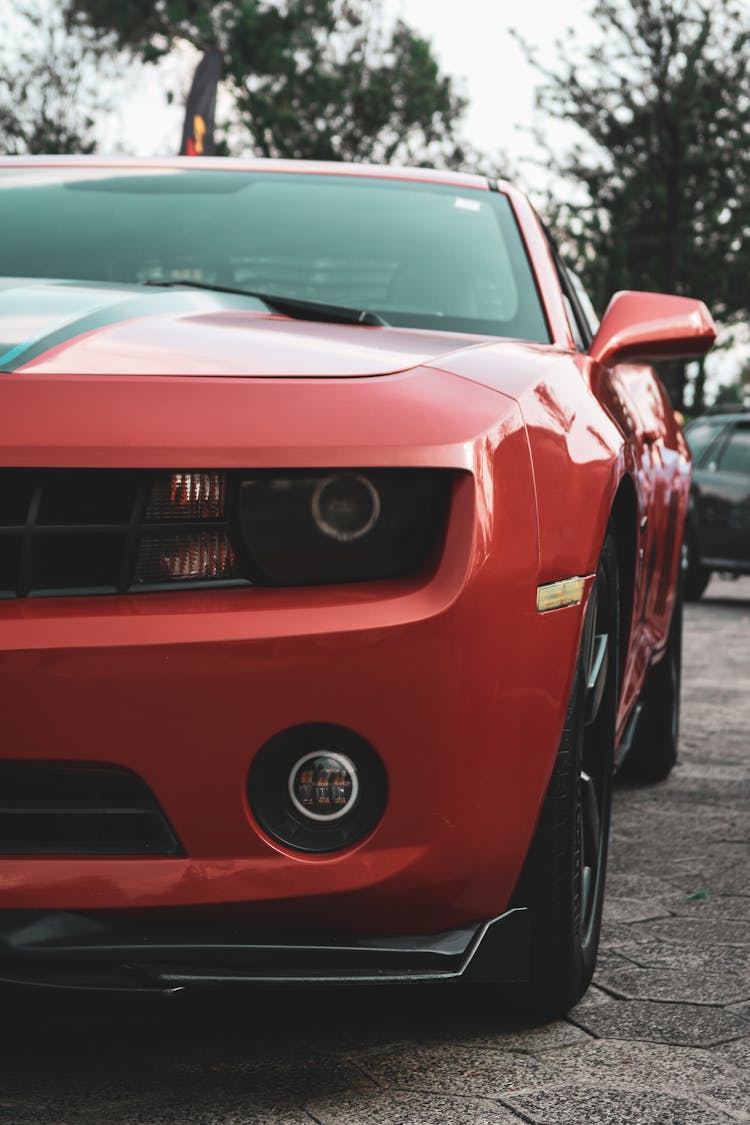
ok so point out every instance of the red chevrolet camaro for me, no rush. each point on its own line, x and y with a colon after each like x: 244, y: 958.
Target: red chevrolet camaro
x: 339, y: 546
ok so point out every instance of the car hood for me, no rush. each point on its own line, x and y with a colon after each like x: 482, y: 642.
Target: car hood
x: 59, y: 327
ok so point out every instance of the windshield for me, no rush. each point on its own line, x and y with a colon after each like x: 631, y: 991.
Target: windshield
x: 420, y: 255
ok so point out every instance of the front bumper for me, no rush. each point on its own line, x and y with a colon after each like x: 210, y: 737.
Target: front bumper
x: 465, y: 715
x: 83, y: 951
x: 453, y: 677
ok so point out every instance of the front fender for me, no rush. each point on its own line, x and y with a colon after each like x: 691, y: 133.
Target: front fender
x: 579, y: 459
x: 579, y: 455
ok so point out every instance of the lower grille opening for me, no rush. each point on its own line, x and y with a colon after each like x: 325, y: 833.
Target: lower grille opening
x: 74, y: 809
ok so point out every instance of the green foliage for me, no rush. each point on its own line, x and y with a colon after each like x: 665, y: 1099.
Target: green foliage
x: 321, y: 79
x: 662, y: 173
x: 47, y: 89
x: 730, y: 394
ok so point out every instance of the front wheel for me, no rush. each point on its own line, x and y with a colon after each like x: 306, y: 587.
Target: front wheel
x: 562, y: 881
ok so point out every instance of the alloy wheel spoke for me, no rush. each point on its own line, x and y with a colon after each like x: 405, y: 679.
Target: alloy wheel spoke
x: 597, y: 676
x: 589, y: 840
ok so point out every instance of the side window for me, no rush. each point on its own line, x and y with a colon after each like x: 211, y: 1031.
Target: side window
x: 573, y: 322
x: 701, y: 435
x: 580, y: 328
x: 735, y: 456
x: 584, y: 301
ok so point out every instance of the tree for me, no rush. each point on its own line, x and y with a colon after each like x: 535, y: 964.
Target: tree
x: 323, y: 79
x: 48, y: 86
x: 662, y: 174
x: 729, y: 394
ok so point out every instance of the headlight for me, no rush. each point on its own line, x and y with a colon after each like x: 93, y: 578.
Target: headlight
x: 187, y: 496
x: 186, y: 535
x: 346, y: 506
x: 118, y: 530
x: 301, y: 528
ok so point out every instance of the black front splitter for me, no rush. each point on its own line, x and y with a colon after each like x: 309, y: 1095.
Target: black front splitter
x: 61, y: 950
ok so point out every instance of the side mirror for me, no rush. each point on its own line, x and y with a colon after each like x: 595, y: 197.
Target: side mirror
x: 650, y: 326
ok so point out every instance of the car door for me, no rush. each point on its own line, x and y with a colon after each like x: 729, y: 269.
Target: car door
x: 721, y: 499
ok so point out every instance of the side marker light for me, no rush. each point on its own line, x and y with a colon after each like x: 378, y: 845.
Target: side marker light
x: 556, y: 595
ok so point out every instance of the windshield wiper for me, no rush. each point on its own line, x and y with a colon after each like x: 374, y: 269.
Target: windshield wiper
x: 289, y: 306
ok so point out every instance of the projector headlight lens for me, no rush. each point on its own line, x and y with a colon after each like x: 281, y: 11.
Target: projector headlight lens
x: 308, y: 528
x: 345, y: 507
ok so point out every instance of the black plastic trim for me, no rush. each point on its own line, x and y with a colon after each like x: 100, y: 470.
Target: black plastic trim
x: 57, y: 949
x: 51, y: 808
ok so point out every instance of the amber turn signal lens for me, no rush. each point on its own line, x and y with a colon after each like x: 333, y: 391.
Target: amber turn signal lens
x: 187, y: 496
x: 557, y: 595
x: 185, y: 557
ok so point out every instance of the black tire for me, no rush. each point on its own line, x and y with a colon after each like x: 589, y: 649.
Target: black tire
x: 562, y: 881
x: 654, y: 749
x: 695, y: 577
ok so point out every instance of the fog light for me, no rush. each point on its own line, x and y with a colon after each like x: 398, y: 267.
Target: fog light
x: 345, y: 507
x: 324, y: 786
x: 317, y: 787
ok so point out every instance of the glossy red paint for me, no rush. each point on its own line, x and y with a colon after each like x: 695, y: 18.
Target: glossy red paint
x: 263, y: 345
x: 210, y: 677
x: 652, y: 326
x: 451, y: 673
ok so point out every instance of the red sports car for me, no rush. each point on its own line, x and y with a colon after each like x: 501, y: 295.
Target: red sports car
x: 338, y: 561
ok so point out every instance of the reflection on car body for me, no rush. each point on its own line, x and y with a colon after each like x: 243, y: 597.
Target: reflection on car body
x: 338, y: 571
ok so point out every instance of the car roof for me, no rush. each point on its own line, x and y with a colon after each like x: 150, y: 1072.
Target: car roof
x: 258, y: 164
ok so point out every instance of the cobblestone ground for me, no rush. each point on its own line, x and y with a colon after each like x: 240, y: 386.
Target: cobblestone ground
x: 662, y: 1037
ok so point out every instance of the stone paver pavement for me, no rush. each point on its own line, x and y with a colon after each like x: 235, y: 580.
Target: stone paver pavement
x: 662, y: 1037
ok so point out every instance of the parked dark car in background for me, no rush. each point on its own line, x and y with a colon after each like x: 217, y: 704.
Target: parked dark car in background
x: 717, y: 532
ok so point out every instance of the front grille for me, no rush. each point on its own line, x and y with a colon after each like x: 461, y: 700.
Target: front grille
x: 83, y: 531
x: 52, y: 809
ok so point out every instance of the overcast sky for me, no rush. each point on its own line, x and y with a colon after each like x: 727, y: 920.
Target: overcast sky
x: 470, y: 37
x: 473, y: 43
